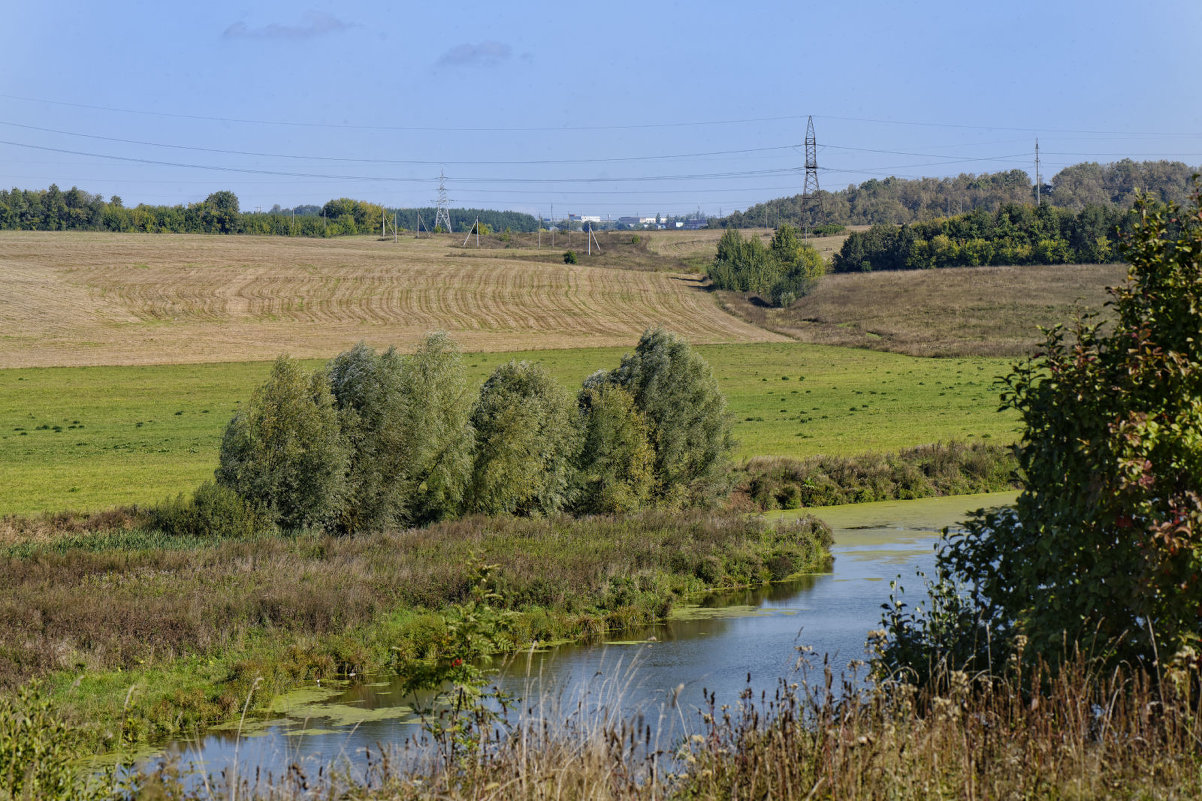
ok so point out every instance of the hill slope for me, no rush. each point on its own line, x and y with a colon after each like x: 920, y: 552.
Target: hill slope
x: 955, y: 311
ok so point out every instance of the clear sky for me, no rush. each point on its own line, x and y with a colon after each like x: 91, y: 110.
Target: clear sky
x: 597, y: 108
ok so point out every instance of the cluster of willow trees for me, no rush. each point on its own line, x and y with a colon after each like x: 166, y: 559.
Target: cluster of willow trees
x: 378, y: 439
x: 1014, y: 234
x: 779, y: 273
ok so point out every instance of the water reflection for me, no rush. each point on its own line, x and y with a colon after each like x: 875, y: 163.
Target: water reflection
x: 730, y: 642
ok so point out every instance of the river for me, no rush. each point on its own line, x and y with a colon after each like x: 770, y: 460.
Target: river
x: 729, y: 643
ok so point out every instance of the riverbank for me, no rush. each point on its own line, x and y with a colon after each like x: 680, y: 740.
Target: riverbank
x: 139, y: 637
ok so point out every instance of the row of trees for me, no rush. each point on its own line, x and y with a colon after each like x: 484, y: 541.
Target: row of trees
x: 1102, y: 549
x: 76, y: 210
x: 1014, y: 234
x: 779, y: 273
x: 898, y: 200
x: 377, y: 440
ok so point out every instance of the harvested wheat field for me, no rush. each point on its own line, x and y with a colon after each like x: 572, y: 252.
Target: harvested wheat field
x: 93, y: 298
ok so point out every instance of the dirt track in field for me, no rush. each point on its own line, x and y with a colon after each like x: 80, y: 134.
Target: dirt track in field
x: 92, y: 299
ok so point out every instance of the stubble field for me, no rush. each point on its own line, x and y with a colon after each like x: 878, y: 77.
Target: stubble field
x: 119, y: 299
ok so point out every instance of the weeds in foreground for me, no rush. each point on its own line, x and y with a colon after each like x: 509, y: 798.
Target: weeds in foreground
x: 1085, y: 734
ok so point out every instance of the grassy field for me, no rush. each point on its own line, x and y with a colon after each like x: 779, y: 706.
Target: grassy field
x: 105, y: 299
x: 964, y: 311
x: 86, y: 438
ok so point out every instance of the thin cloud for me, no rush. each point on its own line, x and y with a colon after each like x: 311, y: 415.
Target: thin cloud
x: 315, y: 24
x: 482, y: 54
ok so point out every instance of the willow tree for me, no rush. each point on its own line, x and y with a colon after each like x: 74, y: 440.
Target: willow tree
x: 527, y: 437
x: 285, y: 452
x: 685, y: 412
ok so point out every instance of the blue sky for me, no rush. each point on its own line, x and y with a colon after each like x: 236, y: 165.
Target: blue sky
x: 600, y: 108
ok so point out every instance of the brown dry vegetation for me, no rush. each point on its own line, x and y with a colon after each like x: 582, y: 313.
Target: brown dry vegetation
x: 964, y: 311
x: 94, y: 298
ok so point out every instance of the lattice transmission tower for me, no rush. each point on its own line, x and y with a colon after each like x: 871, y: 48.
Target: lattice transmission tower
x: 442, y: 216
x: 809, y: 191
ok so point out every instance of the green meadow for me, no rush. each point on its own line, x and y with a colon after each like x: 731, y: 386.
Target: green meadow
x: 86, y: 438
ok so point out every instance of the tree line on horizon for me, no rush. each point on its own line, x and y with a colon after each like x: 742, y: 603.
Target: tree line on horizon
x: 53, y: 209
x: 898, y: 201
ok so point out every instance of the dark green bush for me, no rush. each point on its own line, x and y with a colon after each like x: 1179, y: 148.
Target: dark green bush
x: 212, y: 511
x: 570, y: 257
x: 952, y: 468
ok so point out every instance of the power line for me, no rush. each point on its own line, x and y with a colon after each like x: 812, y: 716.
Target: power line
x: 502, y: 180
x: 417, y: 162
x: 632, y: 126
x: 429, y: 128
x: 1008, y: 127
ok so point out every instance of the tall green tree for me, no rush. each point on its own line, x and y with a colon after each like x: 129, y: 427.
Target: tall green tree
x: 615, y: 468
x: 527, y: 438
x: 439, y: 401
x: 367, y: 390
x: 690, y: 431
x: 284, y: 451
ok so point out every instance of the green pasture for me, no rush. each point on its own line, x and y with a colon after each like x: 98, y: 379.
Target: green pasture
x: 84, y: 438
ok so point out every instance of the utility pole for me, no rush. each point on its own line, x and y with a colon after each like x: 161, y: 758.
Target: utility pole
x: 1038, y: 179
x: 810, y: 187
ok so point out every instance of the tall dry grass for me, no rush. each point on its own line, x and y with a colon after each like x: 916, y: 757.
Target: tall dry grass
x: 1082, y: 734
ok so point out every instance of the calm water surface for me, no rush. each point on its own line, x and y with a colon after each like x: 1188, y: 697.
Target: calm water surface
x: 735, y: 641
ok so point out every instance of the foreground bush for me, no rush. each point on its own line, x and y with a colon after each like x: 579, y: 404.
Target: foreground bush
x: 527, y: 438
x: 1103, y: 546
x: 213, y: 510
x: 690, y: 431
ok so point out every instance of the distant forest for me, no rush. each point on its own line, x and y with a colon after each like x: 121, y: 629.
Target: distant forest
x: 886, y: 201
x: 76, y: 210
x: 1014, y: 234
x: 898, y: 201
